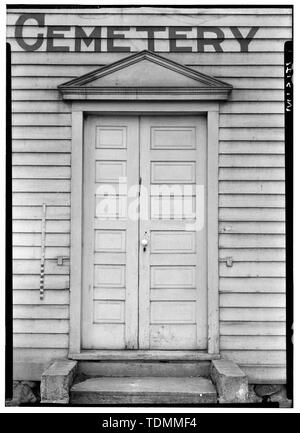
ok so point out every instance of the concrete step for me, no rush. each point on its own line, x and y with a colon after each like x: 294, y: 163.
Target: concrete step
x: 143, y: 390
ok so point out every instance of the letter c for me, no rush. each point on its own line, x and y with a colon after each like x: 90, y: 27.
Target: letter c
x: 40, y: 18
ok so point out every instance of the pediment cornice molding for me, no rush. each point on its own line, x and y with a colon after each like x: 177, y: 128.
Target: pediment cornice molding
x: 181, y: 81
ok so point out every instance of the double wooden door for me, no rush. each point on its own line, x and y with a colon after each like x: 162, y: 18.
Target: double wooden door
x: 144, y: 258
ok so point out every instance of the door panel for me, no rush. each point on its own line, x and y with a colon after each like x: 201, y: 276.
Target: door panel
x: 110, y: 255
x: 172, y: 286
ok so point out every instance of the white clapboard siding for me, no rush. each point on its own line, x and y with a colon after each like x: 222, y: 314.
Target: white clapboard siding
x: 252, y: 285
x: 22, y: 354
x: 39, y: 171
x: 272, y: 374
x: 28, y: 119
x: 253, y: 314
x: 31, y: 297
x: 45, y: 83
x: 34, y: 267
x: 32, y: 282
x: 252, y: 328
x: 166, y: 10
x: 35, y: 252
x: 251, y: 174
x: 47, y: 146
x: 251, y: 147
x: 67, y: 73
x: 41, y: 132
x: 252, y: 200
x: 41, y: 340
x: 239, y: 342
x: 34, y: 226
x: 41, y: 185
x: 34, y: 239
x: 251, y: 214
x: 190, y: 59
x: 36, y: 326
x: 40, y: 312
x: 255, y: 299
x: 41, y: 159
x: 251, y: 241
x: 251, y: 254
x: 252, y: 269
x: 256, y: 357
x: 251, y: 120
x: 254, y: 160
x: 252, y: 227
x: 35, y: 212
x: 209, y: 19
x: 236, y: 95
x: 39, y: 198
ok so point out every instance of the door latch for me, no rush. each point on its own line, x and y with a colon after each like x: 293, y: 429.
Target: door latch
x: 60, y: 260
x: 228, y: 261
x: 145, y: 241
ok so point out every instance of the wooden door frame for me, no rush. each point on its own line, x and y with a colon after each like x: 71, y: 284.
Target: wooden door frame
x: 82, y: 108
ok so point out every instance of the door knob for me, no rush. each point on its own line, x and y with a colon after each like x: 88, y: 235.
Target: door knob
x: 144, y: 242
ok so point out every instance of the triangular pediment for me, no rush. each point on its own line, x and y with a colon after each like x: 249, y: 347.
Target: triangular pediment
x: 145, y: 73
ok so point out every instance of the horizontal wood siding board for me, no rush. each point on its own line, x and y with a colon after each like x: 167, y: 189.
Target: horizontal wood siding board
x: 41, y: 340
x: 28, y: 171
x: 34, y: 239
x: 25, y: 252
x: 40, y: 355
x: 253, y: 269
x: 72, y: 71
x: 208, y: 19
x: 33, y: 267
x: 41, y: 312
x: 252, y: 285
x: 35, y: 213
x: 34, y: 226
x: 242, y: 95
x: 255, y: 357
x: 190, y: 59
x: 146, y: 10
x: 252, y: 254
x: 46, y: 146
x: 31, y: 297
x: 37, y: 326
x: 238, y: 107
x: 268, y: 300
x: 251, y: 214
x: 237, y: 83
x: 253, y: 314
x: 252, y: 328
x: 271, y: 374
x: 32, y: 282
x: 249, y: 342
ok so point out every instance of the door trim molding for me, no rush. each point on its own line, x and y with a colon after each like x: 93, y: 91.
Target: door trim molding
x: 79, y: 110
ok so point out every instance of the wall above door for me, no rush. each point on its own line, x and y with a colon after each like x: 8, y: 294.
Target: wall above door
x: 145, y: 75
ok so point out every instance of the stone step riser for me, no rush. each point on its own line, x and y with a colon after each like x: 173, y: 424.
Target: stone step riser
x: 127, y: 399
x: 144, y: 368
